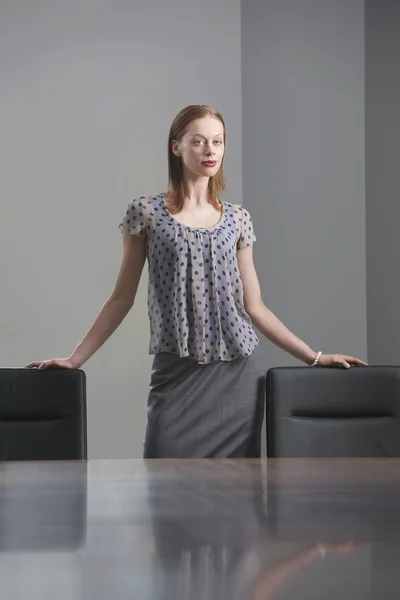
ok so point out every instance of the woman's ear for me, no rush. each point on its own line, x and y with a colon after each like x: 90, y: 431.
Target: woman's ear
x: 175, y: 148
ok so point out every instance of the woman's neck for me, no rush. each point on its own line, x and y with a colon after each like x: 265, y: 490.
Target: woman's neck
x: 196, y: 192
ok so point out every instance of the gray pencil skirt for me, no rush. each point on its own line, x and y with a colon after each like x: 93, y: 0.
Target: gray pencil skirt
x: 212, y: 410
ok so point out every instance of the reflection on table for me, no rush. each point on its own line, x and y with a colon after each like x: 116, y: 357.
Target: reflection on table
x: 200, y: 530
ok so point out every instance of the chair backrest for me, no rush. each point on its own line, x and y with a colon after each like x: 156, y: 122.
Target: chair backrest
x: 333, y: 412
x: 42, y: 414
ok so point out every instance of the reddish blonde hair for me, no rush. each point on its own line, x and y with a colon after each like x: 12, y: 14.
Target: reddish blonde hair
x: 217, y: 183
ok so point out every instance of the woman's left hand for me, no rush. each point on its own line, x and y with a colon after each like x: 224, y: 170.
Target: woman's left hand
x: 340, y: 360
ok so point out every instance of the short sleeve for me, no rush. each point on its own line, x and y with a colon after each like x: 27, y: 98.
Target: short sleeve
x: 136, y: 217
x: 244, y: 225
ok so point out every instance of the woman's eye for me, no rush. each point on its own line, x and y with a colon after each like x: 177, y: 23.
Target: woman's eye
x: 219, y: 142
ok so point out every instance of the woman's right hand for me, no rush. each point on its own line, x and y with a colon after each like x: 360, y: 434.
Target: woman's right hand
x: 61, y: 363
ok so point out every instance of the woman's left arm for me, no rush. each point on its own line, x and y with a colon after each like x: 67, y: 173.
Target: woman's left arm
x: 272, y: 327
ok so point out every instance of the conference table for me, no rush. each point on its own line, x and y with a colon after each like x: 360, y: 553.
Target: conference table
x: 200, y: 529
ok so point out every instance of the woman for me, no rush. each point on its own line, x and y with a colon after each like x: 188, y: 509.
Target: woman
x: 206, y: 395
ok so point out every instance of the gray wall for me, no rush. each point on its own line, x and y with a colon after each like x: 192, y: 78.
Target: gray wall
x: 382, y: 22
x: 303, y: 166
x: 87, y: 94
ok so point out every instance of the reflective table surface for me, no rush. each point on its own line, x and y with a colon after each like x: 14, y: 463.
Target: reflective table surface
x: 200, y: 529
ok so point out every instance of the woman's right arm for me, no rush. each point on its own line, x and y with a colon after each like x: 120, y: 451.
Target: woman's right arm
x: 114, y: 310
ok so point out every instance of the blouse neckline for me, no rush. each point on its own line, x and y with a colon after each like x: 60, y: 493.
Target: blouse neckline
x: 211, y: 228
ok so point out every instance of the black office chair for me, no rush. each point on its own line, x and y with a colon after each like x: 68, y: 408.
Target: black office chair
x: 42, y: 414
x: 333, y: 412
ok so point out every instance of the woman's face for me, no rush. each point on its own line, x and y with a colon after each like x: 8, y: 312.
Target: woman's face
x: 202, y: 147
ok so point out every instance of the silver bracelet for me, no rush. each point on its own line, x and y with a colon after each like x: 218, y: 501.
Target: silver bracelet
x: 316, y: 359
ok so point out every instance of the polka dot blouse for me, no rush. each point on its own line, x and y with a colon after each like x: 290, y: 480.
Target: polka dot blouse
x: 195, y: 293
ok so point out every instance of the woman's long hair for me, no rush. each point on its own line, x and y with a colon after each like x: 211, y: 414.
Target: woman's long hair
x: 217, y: 183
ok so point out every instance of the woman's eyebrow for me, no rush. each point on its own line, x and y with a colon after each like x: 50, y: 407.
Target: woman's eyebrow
x: 201, y: 135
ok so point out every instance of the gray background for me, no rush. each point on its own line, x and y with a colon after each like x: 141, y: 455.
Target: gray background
x: 87, y: 94
x: 304, y: 168
x: 382, y: 19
